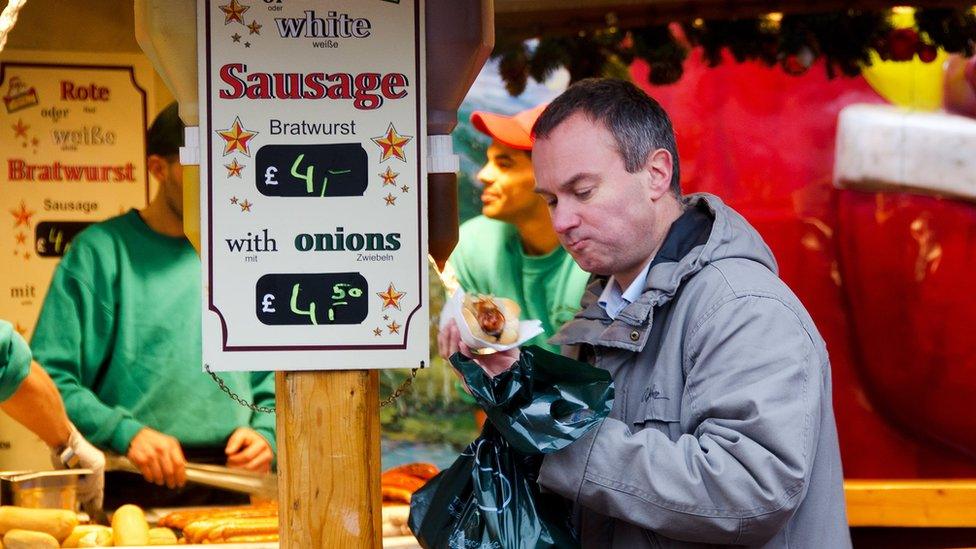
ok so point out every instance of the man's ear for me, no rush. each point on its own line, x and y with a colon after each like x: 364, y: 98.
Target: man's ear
x: 157, y: 167
x: 659, y: 167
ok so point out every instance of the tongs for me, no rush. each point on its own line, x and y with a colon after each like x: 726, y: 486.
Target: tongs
x: 236, y: 480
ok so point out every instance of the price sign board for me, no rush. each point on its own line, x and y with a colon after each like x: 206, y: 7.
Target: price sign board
x: 302, y: 171
x: 313, y: 187
x: 327, y: 298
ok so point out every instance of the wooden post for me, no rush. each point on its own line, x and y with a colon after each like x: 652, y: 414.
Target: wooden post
x: 329, y: 459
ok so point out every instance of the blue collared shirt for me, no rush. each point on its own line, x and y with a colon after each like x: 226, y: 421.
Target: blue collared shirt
x: 689, y: 230
x: 613, y: 300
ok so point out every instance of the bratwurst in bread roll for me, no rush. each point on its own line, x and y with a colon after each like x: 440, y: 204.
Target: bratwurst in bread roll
x: 492, y: 319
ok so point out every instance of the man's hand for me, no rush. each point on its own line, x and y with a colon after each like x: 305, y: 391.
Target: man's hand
x: 247, y: 449
x: 449, y: 342
x: 159, y: 458
x: 91, y: 488
x: 494, y: 363
x: 78, y: 453
x: 448, y: 339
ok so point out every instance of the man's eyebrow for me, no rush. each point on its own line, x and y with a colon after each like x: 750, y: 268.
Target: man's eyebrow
x: 502, y: 156
x: 582, y: 176
x: 576, y: 179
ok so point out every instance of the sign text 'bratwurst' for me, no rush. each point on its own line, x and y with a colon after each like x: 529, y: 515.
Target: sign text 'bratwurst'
x: 368, y: 90
x: 313, y: 194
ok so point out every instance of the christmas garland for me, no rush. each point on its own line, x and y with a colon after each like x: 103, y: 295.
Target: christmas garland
x: 844, y: 41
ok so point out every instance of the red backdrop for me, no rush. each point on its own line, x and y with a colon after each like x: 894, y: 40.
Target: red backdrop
x: 884, y: 275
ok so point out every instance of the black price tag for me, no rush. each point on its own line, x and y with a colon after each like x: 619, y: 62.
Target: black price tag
x: 51, y: 238
x: 312, y: 299
x: 312, y: 170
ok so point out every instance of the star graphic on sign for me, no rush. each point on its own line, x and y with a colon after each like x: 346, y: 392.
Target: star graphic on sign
x: 391, y: 297
x: 234, y: 12
x: 20, y: 129
x: 390, y: 199
x: 247, y: 44
x: 235, y: 37
x: 254, y: 27
x: 21, y: 329
x: 392, y: 144
x: 26, y: 256
x: 405, y: 189
x: 245, y: 206
x: 394, y: 327
x: 237, y: 139
x: 234, y: 168
x: 389, y: 177
x: 386, y: 317
x: 377, y: 332
x: 233, y: 200
x: 35, y: 141
x: 22, y: 216
x: 21, y: 238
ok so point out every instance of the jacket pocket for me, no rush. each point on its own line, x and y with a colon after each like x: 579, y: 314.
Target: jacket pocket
x: 660, y: 414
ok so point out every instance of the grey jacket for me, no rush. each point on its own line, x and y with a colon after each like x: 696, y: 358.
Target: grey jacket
x: 722, y: 431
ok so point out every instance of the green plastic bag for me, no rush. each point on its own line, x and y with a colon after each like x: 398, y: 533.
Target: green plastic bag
x: 489, y: 497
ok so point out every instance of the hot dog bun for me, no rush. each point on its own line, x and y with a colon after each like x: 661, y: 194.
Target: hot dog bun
x: 492, y: 319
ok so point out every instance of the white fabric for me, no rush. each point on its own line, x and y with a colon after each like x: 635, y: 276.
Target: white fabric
x: 8, y: 18
x: 883, y: 147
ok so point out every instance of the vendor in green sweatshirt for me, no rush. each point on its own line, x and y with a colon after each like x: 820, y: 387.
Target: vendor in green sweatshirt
x: 511, y: 250
x: 120, y: 335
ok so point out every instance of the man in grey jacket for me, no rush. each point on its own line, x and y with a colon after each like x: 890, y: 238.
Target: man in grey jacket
x: 722, y: 430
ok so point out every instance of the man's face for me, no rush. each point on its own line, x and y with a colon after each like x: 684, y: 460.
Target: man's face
x: 508, y: 181
x: 169, y: 173
x: 604, y: 216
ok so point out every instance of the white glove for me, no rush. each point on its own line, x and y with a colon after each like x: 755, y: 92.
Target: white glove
x: 80, y: 454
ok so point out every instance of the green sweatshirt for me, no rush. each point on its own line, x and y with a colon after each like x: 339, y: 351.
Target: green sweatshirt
x: 15, y: 360
x: 120, y: 334
x: 489, y: 259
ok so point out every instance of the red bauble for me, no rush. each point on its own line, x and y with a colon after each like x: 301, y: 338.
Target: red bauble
x: 793, y: 66
x: 902, y: 44
x: 927, y: 52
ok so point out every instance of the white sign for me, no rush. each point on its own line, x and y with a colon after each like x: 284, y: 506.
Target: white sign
x: 72, y: 147
x: 313, y: 184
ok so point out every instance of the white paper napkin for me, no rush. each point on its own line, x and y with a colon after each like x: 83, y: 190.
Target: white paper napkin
x: 452, y: 310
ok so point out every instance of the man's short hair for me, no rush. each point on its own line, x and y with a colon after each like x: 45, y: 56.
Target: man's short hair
x: 638, y: 123
x: 165, y: 135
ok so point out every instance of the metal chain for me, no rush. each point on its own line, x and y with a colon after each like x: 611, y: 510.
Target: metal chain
x: 240, y: 400
x: 404, y: 387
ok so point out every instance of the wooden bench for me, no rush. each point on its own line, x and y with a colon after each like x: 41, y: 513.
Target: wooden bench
x: 919, y: 503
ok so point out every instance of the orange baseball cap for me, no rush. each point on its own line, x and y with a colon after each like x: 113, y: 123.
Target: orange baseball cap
x: 514, y: 131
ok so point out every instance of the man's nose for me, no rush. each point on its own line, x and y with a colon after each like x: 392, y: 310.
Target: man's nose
x: 486, y: 176
x: 564, y: 219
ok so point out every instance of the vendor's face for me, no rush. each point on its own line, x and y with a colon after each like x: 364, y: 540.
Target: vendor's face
x: 603, y: 214
x: 169, y: 172
x: 507, y: 177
